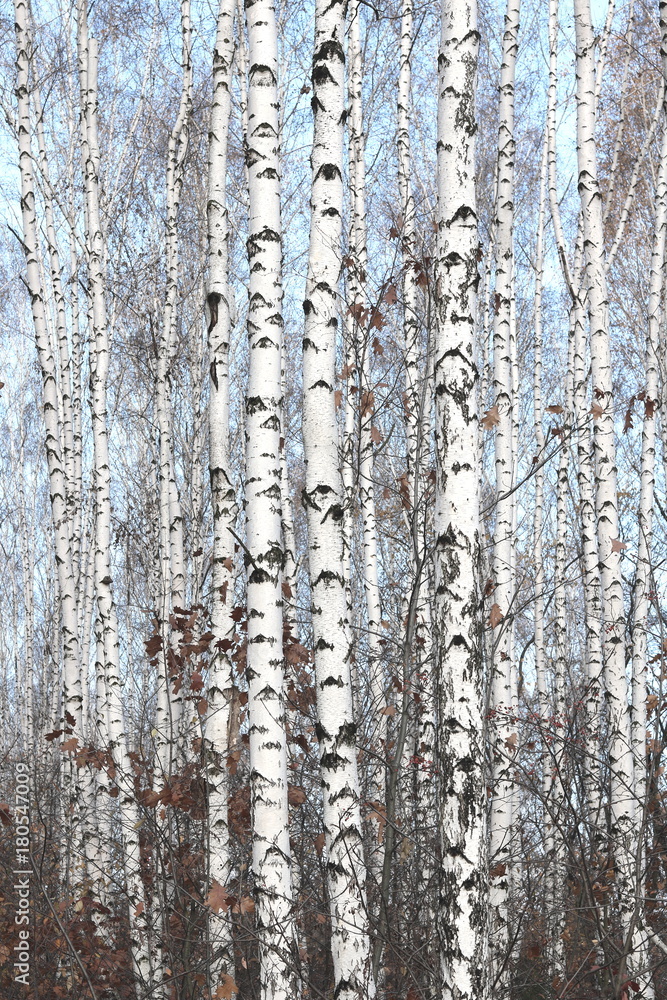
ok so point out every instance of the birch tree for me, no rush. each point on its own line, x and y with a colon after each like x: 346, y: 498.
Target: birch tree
x: 265, y: 552
x: 222, y: 488
x: 644, y: 580
x: 170, y: 703
x: 610, y: 544
x: 87, y: 57
x: 325, y: 502
x: 361, y: 352
x: 502, y: 415
x: 463, y: 891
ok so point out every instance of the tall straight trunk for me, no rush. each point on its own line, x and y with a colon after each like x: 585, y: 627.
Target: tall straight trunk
x: 170, y: 703
x: 585, y: 476
x: 544, y: 701
x: 64, y: 360
x: 591, y: 574
x: 644, y: 580
x: 622, y: 807
x: 71, y: 700
x: 223, y: 495
x: 556, y: 859
x: 88, y: 62
x: 502, y: 614
x: 417, y: 408
x: 264, y: 557
x: 463, y: 890
x: 290, y: 567
x: 27, y: 727
x: 362, y: 352
x: 324, y: 498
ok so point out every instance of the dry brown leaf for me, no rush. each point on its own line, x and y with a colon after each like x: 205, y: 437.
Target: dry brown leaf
x: 226, y: 988
x: 295, y: 795
x: 490, y: 418
x: 495, y: 615
x: 218, y: 897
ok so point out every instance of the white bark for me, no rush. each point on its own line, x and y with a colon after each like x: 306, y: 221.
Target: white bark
x: 463, y: 891
x: 222, y: 490
x: 264, y: 557
x: 170, y: 703
x: 417, y: 409
x: 621, y: 831
x: 88, y: 62
x: 644, y: 579
x: 324, y: 497
x: 71, y: 701
x: 362, y: 335
x: 504, y: 347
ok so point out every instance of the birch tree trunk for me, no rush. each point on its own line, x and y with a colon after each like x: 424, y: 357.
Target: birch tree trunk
x: 622, y: 807
x: 223, y: 495
x: 324, y: 498
x: 27, y: 572
x: 71, y: 679
x: 644, y: 580
x: 502, y: 612
x: 265, y: 553
x: 362, y: 353
x: 418, y: 401
x: 463, y: 890
x: 170, y: 703
x: 88, y: 62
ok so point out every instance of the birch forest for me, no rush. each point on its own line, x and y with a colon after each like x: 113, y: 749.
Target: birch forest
x: 333, y: 500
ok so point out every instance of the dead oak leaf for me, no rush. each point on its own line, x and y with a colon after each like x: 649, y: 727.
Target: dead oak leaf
x: 218, y: 897
x: 226, y: 988
x: 490, y: 419
x: 495, y: 615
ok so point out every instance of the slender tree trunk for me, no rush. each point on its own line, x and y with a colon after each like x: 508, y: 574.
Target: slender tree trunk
x: 71, y: 676
x: 361, y: 333
x: 421, y: 750
x: 463, y: 890
x: 223, y: 495
x: 170, y: 702
x: 502, y: 611
x: 644, y: 580
x: 88, y: 62
x: 265, y: 554
x: 622, y: 819
x: 324, y: 498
